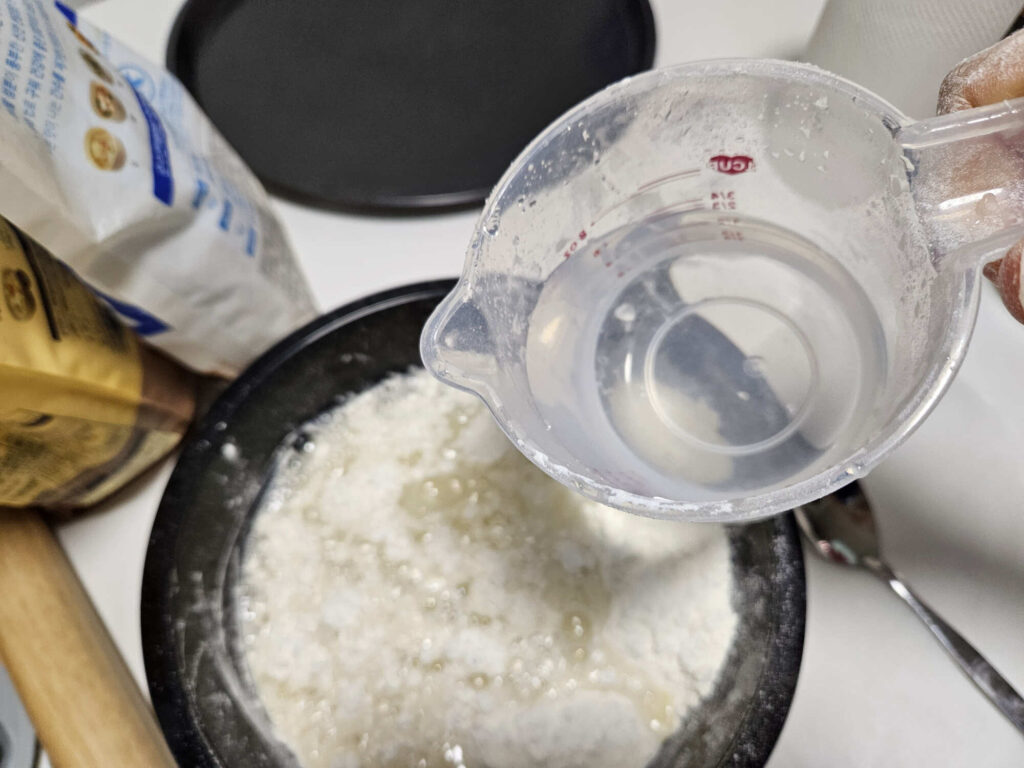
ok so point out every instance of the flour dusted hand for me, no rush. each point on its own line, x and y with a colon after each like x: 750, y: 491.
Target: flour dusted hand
x: 107, y: 162
x: 988, y: 77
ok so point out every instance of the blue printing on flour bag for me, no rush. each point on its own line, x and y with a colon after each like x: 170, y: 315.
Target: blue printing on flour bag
x: 69, y: 13
x: 139, y: 320
x: 163, y: 181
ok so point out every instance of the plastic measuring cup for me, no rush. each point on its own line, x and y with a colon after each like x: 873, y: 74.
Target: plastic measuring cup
x: 724, y: 289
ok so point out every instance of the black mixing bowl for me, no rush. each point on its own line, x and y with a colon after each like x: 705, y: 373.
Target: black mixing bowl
x: 199, y: 684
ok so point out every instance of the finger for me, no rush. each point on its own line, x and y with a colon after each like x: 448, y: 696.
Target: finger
x: 991, y: 270
x: 987, y: 77
x: 1008, y: 281
x: 990, y: 76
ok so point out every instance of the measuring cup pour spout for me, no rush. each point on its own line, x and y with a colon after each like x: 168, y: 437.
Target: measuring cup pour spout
x: 967, y: 178
x: 456, y: 345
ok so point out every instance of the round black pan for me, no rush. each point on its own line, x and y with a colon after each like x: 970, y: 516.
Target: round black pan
x: 398, y: 104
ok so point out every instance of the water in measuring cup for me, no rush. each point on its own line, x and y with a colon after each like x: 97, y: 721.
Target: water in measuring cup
x: 693, y: 368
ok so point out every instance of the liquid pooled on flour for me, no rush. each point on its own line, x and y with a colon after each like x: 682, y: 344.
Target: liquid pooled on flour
x: 416, y: 593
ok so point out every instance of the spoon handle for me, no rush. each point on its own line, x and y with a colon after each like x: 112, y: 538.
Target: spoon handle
x: 974, y: 665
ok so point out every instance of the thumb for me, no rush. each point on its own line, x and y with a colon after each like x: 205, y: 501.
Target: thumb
x: 1005, y: 273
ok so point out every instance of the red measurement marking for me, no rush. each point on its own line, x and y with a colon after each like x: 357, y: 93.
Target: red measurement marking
x: 731, y: 164
x: 723, y: 201
x: 575, y: 244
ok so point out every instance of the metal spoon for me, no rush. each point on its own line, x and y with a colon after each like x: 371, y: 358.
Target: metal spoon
x: 842, y: 530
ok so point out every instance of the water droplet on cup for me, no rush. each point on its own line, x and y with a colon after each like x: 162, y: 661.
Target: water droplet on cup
x: 625, y: 312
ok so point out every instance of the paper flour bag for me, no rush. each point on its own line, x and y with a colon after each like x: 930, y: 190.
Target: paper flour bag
x: 107, y: 162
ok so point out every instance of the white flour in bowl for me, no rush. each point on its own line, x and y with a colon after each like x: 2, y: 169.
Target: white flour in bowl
x: 416, y: 594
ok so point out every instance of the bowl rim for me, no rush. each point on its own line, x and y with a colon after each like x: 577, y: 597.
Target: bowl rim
x: 762, y: 723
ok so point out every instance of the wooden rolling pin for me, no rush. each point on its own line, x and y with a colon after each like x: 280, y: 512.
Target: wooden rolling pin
x: 83, y: 701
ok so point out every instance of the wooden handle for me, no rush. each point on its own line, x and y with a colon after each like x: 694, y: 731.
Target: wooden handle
x: 82, y: 699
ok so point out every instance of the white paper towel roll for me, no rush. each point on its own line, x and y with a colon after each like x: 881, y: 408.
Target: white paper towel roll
x: 901, y: 49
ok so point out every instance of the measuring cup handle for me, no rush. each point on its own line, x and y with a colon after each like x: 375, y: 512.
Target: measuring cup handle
x: 966, y: 172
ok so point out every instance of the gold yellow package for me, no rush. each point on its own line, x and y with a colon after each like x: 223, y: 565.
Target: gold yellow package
x: 84, y: 406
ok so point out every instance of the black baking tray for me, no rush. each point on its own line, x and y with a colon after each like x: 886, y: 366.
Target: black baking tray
x: 197, y: 679
x: 398, y: 104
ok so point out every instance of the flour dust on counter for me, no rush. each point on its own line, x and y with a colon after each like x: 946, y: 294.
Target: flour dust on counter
x: 415, y: 593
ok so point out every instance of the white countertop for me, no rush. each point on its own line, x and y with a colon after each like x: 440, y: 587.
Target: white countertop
x: 875, y: 689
